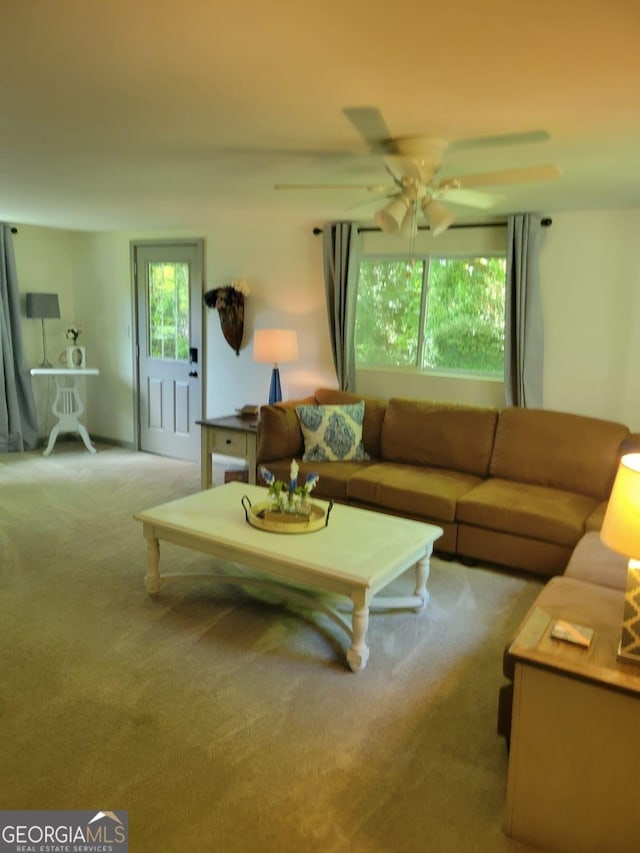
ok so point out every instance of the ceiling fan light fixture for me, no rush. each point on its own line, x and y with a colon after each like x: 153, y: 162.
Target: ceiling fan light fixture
x: 390, y: 217
x: 438, y: 217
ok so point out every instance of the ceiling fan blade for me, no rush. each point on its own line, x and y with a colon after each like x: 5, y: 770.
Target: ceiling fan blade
x: 374, y: 200
x: 371, y: 126
x: 526, y: 175
x: 370, y: 188
x: 470, y: 198
x: 506, y: 139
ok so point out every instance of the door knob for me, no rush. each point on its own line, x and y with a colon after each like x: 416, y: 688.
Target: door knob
x: 193, y: 373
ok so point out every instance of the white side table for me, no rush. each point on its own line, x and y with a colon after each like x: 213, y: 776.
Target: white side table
x: 67, y: 405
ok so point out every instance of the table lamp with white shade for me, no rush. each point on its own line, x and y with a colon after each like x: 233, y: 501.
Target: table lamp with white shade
x: 621, y: 531
x: 275, y: 346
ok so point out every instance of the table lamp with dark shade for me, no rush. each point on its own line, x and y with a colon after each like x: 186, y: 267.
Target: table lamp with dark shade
x: 43, y: 306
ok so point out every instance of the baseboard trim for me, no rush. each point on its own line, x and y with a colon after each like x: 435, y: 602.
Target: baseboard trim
x: 113, y: 442
x: 43, y: 440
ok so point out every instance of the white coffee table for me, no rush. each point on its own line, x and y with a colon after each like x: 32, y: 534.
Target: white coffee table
x: 356, y: 555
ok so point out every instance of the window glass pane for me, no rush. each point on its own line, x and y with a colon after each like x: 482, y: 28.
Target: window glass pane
x: 388, y: 312
x: 169, y: 310
x: 464, y: 326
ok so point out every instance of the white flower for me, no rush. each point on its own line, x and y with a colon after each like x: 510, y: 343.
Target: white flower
x: 293, y: 472
x: 72, y: 332
x: 312, y: 480
x: 241, y: 286
x: 267, y: 476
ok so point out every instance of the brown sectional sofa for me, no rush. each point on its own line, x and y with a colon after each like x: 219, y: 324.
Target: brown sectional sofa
x: 517, y: 487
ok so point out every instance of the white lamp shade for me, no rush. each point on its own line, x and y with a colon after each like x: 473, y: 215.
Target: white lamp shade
x: 438, y: 217
x: 391, y: 217
x: 621, y: 525
x: 275, y: 346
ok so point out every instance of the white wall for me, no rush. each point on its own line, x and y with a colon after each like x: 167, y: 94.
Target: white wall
x: 282, y: 263
x: 44, y: 263
x: 590, y: 272
x: 590, y: 278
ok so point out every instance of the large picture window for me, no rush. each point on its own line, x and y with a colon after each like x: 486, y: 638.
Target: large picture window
x: 432, y: 314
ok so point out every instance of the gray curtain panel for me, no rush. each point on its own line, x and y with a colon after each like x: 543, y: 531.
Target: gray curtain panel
x: 524, y: 327
x: 18, y: 416
x: 341, y: 253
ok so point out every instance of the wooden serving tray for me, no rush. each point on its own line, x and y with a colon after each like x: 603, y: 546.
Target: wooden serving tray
x: 262, y: 516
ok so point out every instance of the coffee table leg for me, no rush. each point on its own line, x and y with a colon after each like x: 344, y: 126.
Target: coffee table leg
x: 152, y: 579
x: 422, y: 576
x: 358, y: 654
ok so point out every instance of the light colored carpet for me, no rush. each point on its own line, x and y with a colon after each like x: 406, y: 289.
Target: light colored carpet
x: 221, y: 721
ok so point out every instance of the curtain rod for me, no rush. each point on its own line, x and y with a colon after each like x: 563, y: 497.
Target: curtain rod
x: 546, y: 222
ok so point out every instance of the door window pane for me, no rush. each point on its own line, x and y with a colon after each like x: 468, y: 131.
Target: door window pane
x: 168, y: 311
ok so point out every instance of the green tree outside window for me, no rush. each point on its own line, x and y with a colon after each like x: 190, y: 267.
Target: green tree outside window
x: 435, y: 313
x: 169, y: 311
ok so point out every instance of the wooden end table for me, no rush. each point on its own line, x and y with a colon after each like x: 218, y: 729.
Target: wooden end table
x: 574, y: 755
x: 229, y: 436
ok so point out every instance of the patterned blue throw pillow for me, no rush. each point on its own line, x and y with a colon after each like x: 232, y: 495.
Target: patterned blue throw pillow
x: 332, y: 433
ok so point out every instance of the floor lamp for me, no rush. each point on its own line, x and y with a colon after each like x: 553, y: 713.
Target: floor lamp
x: 43, y: 306
x: 275, y: 346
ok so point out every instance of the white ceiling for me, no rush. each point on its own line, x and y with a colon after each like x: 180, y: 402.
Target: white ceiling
x: 148, y: 114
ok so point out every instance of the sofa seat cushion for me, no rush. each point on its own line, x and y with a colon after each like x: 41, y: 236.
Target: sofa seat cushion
x: 537, y: 512
x: 334, y: 476
x: 427, y: 492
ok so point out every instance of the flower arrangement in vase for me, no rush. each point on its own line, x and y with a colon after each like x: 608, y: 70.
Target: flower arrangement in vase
x: 76, y: 355
x: 228, y: 301
x: 292, y: 497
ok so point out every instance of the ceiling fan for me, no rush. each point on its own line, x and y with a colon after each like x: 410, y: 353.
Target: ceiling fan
x: 413, y: 164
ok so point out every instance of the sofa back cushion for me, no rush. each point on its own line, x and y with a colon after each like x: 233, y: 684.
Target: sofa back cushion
x: 558, y: 449
x: 279, y: 433
x: 439, y: 435
x: 374, y: 410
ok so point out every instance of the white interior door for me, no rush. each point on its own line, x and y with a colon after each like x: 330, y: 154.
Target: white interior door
x: 169, y: 347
